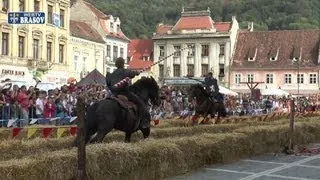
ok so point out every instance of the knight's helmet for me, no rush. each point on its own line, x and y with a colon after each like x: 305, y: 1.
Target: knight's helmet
x: 119, y: 62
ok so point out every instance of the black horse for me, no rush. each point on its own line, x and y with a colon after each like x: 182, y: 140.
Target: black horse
x: 114, y: 113
x: 204, y: 105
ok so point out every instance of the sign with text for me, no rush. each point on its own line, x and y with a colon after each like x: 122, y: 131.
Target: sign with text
x: 26, y: 18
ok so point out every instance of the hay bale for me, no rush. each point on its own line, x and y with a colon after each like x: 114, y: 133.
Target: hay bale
x: 160, y: 158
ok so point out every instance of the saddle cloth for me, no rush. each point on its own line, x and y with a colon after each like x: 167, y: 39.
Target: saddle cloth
x: 124, y: 102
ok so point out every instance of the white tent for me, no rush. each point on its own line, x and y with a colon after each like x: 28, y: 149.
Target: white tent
x: 274, y: 92
x: 226, y: 91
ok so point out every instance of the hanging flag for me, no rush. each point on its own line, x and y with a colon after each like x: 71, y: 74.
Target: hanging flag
x: 156, y: 122
x: 73, y: 131
x: 31, y: 132
x: 16, y: 131
x: 46, y: 132
x: 60, y: 131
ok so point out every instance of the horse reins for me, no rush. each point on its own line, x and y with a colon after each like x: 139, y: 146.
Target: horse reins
x: 127, y: 79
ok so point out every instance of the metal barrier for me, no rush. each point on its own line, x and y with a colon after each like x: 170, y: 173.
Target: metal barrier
x: 11, y: 115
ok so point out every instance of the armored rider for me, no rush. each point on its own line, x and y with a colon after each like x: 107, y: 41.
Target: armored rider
x: 119, y: 74
x: 211, y: 85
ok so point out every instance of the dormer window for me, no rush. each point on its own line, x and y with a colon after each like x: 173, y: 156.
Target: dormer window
x: 145, y: 58
x: 252, y: 54
x: 297, y: 53
x: 111, y: 26
x: 274, y: 54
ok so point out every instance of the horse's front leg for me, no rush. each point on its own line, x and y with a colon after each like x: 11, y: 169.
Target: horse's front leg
x: 128, y: 137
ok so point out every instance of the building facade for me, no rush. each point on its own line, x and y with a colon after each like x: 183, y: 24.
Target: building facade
x: 87, y: 50
x: 140, y: 56
x: 109, y: 27
x: 210, y: 45
x: 288, y: 60
x: 35, y: 49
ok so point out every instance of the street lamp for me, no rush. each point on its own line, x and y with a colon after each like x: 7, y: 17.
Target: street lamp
x: 297, y: 60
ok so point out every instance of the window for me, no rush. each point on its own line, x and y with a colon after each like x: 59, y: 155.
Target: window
x: 61, y: 53
x: 161, y: 70
x: 237, y: 78
x: 190, y: 70
x: 118, y: 28
x: 61, y: 18
x: 115, y: 52
x: 35, y: 48
x: 176, y: 70
x: 111, y: 27
x: 250, y: 78
x: 5, y: 43
x: 49, y: 51
x: 287, y: 78
x: 121, y: 52
x: 21, y: 46
x: 191, y: 50
x: 177, y: 52
x: 313, y: 78
x: 36, y: 6
x: 5, y: 4
x: 269, y: 78
x: 108, y: 51
x: 84, y: 63
x: 21, y: 5
x: 50, y: 14
x: 300, y: 78
x: 205, y: 50
x: 75, y: 63
x: 222, y: 49
x: 161, y: 51
x: 204, y: 69
x: 221, y: 70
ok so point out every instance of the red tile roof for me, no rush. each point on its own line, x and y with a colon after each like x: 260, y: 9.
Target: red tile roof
x: 222, y: 26
x: 118, y: 35
x: 163, y: 29
x: 96, y: 11
x: 83, y: 30
x: 289, y: 43
x: 137, y: 48
x: 193, y: 22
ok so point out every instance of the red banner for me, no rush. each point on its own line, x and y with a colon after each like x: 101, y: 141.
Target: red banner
x: 46, y: 132
x: 16, y: 131
x: 73, y: 131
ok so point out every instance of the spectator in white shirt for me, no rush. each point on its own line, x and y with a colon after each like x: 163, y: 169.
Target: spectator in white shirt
x: 40, y: 104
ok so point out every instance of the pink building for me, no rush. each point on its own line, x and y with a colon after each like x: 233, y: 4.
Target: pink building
x: 272, y: 57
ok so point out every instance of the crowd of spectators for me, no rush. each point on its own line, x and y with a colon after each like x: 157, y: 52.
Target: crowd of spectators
x: 31, y: 103
x: 27, y: 104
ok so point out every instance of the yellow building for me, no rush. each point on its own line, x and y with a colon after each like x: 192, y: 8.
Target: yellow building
x: 30, y: 48
x: 87, y: 50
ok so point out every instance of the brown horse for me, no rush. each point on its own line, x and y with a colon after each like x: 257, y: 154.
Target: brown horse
x: 205, y: 106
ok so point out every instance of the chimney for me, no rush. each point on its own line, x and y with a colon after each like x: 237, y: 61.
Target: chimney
x: 250, y: 26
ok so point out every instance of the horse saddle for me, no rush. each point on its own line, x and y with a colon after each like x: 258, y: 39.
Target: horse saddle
x: 124, y: 102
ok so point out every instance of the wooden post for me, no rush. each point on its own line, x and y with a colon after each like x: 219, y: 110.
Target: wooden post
x: 81, y: 173
x: 291, y: 127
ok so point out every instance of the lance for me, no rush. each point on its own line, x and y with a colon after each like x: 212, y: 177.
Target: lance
x: 127, y: 79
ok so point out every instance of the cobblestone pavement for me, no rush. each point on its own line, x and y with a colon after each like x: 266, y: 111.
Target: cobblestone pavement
x: 263, y: 167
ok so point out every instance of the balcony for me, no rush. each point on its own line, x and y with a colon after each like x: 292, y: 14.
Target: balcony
x: 43, y: 65
x: 204, y: 60
x: 32, y: 63
x: 190, y: 60
x: 176, y: 60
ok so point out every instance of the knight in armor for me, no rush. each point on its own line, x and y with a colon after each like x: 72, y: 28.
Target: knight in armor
x: 211, y: 85
x: 119, y: 74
